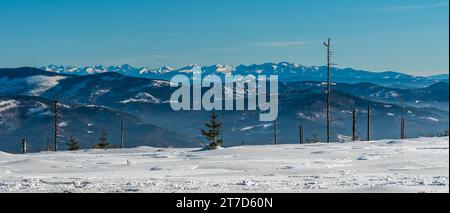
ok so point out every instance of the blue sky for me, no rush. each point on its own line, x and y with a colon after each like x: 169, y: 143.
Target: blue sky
x: 410, y: 36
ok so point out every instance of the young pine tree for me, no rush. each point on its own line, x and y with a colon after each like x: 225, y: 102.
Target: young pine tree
x: 313, y: 139
x: 103, y: 141
x: 72, y: 145
x: 213, y: 132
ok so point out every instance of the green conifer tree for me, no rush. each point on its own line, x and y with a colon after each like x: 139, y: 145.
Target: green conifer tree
x: 103, y: 141
x: 213, y: 132
x: 73, y: 145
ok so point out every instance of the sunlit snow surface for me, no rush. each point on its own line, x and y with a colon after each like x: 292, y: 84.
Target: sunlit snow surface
x: 415, y: 165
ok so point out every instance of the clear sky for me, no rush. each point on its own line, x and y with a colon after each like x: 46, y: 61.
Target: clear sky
x: 410, y: 36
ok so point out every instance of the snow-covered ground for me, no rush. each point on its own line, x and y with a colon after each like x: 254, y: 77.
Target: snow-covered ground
x: 415, y: 165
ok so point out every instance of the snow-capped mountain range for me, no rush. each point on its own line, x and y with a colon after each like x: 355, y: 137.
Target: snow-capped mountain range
x: 287, y: 72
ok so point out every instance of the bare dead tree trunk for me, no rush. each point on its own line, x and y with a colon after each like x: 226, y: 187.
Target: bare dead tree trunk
x: 275, y: 132
x: 354, y: 124
x: 368, y: 123
x: 402, y: 127
x: 55, y: 108
x: 121, y: 135
x: 48, y: 143
x: 24, y: 146
x: 301, y: 133
x: 328, y: 45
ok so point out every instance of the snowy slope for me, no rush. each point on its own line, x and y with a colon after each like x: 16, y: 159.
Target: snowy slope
x: 32, y: 85
x: 415, y: 165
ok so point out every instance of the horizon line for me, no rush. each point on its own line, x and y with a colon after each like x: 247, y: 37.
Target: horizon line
x: 173, y: 68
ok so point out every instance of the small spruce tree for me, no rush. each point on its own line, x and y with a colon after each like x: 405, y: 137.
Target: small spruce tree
x: 103, y: 141
x: 73, y: 145
x: 213, y: 132
x: 313, y: 139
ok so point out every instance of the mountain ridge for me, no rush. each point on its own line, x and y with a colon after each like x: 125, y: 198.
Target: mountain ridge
x: 31, y: 117
x: 287, y: 72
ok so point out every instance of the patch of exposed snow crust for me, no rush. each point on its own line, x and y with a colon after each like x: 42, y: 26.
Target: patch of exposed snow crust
x: 142, y: 97
x: 8, y: 104
x: 40, y: 84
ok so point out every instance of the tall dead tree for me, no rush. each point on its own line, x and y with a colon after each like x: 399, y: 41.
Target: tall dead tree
x: 354, y: 125
x: 55, y: 124
x: 402, y: 127
x: 368, y: 123
x: 275, y: 132
x: 223, y: 125
x: 48, y: 143
x: 24, y: 146
x: 328, y: 45
x: 402, y: 122
x: 121, y: 135
x: 301, y: 133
